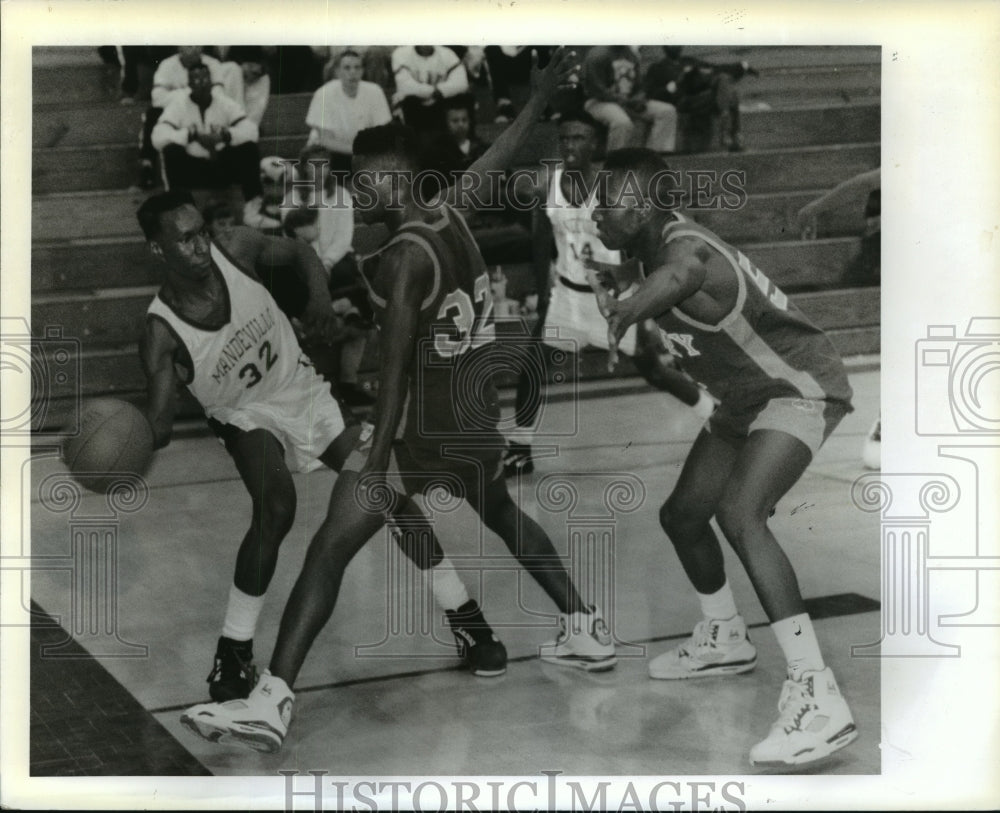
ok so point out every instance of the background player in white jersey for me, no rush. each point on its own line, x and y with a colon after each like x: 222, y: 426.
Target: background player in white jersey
x: 214, y: 327
x: 564, y: 197
x: 782, y: 389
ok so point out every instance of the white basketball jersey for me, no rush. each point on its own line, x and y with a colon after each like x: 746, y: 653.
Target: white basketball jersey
x: 575, y: 233
x: 252, y: 358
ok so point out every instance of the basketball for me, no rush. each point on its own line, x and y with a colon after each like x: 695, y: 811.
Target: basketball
x: 115, y: 439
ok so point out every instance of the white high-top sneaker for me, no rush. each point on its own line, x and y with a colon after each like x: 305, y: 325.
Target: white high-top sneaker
x: 714, y: 648
x: 584, y: 642
x: 260, y: 722
x: 813, y: 721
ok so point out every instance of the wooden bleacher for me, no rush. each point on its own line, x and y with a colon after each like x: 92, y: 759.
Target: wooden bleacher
x: 812, y: 118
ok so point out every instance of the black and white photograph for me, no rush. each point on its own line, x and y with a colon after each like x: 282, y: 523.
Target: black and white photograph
x: 498, y: 427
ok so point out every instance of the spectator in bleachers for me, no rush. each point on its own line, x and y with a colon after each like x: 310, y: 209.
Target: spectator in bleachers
x: 705, y: 96
x: 219, y: 218
x: 425, y: 76
x: 342, y: 107
x: 614, y: 96
x: 376, y: 65
x: 461, y: 146
x: 263, y: 211
x: 206, y: 138
x: 172, y: 76
x: 256, y: 82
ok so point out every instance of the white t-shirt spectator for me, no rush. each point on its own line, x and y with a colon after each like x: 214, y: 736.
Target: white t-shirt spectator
x: 334, y: 118
x: 417, y: 75
x: 181, y: 115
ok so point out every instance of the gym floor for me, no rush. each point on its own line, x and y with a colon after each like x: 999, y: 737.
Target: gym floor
x: 381, y: 692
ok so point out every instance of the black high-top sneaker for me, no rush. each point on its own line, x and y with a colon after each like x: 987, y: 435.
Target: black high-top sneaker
x: 234, y: 673
x: 480, y: 649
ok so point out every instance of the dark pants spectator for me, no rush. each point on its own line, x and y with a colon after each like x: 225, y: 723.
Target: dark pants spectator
x: 230, y: 165
x: 711, y: 116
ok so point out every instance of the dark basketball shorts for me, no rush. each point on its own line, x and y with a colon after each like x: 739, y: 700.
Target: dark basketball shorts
x: 462, y: 467
x: 809, y: 420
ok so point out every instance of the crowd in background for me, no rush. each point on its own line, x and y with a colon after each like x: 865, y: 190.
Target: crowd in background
x: 205, y: 105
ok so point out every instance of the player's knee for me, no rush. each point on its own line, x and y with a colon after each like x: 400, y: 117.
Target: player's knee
x: 677, y: 520
x: 275, y: 513
x: 740, y: 520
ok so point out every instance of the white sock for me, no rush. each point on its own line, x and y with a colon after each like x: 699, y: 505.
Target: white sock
x: 797, y: 640
x: 521, y: 434
x: 241, y: 615
x: 449, y: 592
x: 720, y: 605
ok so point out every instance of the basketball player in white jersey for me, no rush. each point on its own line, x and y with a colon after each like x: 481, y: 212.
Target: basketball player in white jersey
x: 565, y: 199
x: 782, y: 389
x: 214, y: 327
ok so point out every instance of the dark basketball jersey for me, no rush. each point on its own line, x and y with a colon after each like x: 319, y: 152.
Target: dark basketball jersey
x: 764, y: 348
x: 452, y: 394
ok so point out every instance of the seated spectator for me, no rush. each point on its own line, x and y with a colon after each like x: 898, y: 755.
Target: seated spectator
x: 256, y: 82
x: 342, y: 107
x: 460, y: 146
x: 263, y: 211
x: 350, y: 301
x: 614, y: 97
x: 376, y: 65
x: 206, y: 139
x: 426, y: 75
x: 171, y: 76
x: 705, y: 96
x: 219, y: 218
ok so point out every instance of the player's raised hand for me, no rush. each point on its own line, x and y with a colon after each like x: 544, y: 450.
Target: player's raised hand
x: 563, y: 69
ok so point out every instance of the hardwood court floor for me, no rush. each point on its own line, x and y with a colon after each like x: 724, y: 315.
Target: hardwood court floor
x: 380, y: 693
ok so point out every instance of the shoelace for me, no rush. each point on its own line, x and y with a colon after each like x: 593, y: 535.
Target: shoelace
x: 245, y: 667
x: 795, y: 702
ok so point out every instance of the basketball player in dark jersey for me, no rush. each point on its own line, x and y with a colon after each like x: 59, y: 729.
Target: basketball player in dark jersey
x: 214, y: 327
x: 781, y: 389
x: 431, y: 293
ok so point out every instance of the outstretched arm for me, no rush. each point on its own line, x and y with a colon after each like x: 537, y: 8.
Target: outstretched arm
x: 413, y: 276
x: 500, y: 155
x: 681, y: 275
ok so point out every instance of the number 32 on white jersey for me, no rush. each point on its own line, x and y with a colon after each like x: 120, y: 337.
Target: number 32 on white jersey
x: 473, y: 331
